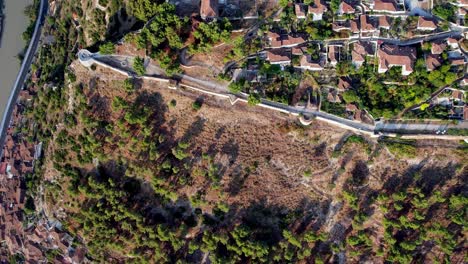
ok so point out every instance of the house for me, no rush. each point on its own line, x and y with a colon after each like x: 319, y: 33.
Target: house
x: 453, y: 43
x: 317, y: 8
x: 209, y: 9
x: 433, y: 61
x: 464, y: 82
x: 384, y: 22
x: 307, y: 63
x: 385, y: 6
x: 457, y: 95
x: 333, y: 54
x: 426, y: 24
x: 345, y: 8
x: 360, y: 51
x: 393, y: 55
x: 333, y: 96
x: 457, y: 61
x: 300, y: 11
x: 463, y: 3
x: 344, y: 83
x: 437, y: 47
x: 366, y: 26
x: 279, y: 56
x: 297, y: 51
x: 276, y: 40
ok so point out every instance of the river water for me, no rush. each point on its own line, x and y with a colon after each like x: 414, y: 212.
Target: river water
x: 14, y: 24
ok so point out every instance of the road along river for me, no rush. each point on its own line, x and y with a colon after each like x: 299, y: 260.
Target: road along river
x: 14, y: 24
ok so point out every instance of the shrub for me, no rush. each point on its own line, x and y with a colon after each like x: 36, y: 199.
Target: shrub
x: 139, y: 66
x: 107, y: 48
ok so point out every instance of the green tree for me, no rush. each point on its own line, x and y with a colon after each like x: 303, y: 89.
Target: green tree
x: 139, y: 66
x: 253, y: 99
x: 107, y: 48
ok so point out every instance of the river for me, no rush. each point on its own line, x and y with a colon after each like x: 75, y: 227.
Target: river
x: 15, y: 23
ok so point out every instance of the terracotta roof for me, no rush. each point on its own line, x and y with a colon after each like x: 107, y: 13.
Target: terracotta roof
x: 317, y: 7
x: 457, y: 61
x: 351, y: 107
x: 332, y: 54
x: 463, y: 2
x: 457, y: 94
x: 277, y: 41
x: 426, y: 23
x: 433, y: 61
x: 354, y: 26
x: 297, y: 51
x: 299, y: 10
x: 209, y: 8
x: 461, y: 11
x: 278, y: 55
x: 385, y: 5
x: 361, y: 50
x: 384, y: 22
x: 437, y: 47
x: 393, y: 55
x: 306, y: 61
x: 464, y: 82
x: 452, y: 40
x: 465, y: 112
x: 365, y: 25
x: 344, y: 83
x: 346, y: 8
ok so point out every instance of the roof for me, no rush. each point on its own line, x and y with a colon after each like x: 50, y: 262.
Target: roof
x: 385, y: 5
x: 344, y: 83
x: 361, y: 50
x: 426, y: 23
x: 332, y: 53
x: 465, y: 112
x: 365, y: 25
x: 278, y: 55
x: 457, y: 61
x: 297, y: 51
x: 433, y: 61
x: 346, y: 8
x: 317, y: 7
x: 277, y: 40
x: 437, y: 47
x: 452, y: 40
x: 209, y: 8
x: 457, y: 94
x: 351, y: 107
x: 384, y: 22
x: 306, y: 61
x: 354, y: 26
x: 393, y: 55
x: 299, y: 10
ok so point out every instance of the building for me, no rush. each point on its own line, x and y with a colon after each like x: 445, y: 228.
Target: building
x: 317, y: 9
x: 360, y: 51
x: 433, y: 61
x: 453, y: 43
x: 384, y: 22
x: 209, y: 9
x: 344, y: 83
x: 279, y: 56
x: 366, y: 26
x: 426, y: 24
x: 276, y: 40
x: 307, y: 63
x: 393, y: 55
x: 333, y: 54
x: 345, y: 8
x: 437, y: 47
x: 385, y: 6
x: 300, y: 11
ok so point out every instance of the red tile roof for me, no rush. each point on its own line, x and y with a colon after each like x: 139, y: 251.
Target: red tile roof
x: 361, y: 50
x: 365, y: 25
x: 385, y: 5
x: 433, y: 61
x: 278, y: 55
x: 426, y: 23
x: 317, y: 7
x: 209, y: 8
x: 346, y: 8
x: 393, y: 55
x: 384, y: 22
x: 437, y: 47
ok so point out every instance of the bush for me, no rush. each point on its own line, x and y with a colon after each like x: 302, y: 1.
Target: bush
x: 253, y: 99
x: 139, y: 66
x: 197, y: 105
x: 107, y: 48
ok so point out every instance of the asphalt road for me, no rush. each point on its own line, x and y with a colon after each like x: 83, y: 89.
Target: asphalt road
x: 18, y: 85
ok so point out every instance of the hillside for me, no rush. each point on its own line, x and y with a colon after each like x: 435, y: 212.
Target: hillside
x: 147, y: 173
x: 133, y: 170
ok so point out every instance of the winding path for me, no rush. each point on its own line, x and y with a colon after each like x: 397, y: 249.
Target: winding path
x: 18, y: 85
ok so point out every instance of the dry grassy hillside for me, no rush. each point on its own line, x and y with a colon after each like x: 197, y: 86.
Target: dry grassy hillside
x: 203, y: 171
